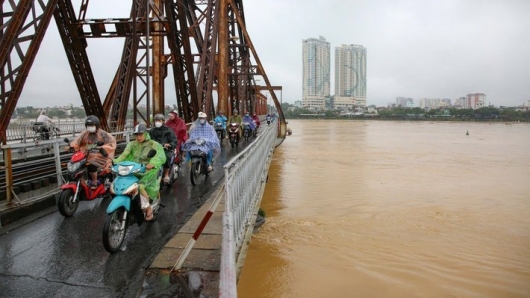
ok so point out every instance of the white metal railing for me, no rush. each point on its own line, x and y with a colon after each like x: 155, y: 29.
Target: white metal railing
x: 23, y: 131
x: 244, y: 176
x: 48, y: 149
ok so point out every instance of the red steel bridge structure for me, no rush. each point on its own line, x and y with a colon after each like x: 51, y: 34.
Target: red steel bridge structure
x: 203, y: 42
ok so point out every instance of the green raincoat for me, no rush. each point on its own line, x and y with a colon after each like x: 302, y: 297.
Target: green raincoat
x: 137, y: 152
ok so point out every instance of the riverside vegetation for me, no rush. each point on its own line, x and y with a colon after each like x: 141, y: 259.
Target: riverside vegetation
x: 400, y: 113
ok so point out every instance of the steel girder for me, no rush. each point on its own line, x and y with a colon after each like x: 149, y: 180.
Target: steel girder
x: 75, y: 47
x: 15, y: 34
x: 196, y: 74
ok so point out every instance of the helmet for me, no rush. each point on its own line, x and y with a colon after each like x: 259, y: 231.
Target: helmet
x: 160, y: 117
x: 235, y: 111
x: 202, y: 115
x: 140, y: 128
x: 92, y: 120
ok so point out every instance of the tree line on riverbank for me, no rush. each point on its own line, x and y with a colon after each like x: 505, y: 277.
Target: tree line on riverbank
x: 400, y: 113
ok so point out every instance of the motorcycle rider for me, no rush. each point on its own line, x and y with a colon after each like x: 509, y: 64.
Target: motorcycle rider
x: 220, y: 119
x: 255, y: 118
x: 166, y: 137
x: 249, y: 120
x: 236, y: 118
x: 203, y: 130
x: 137, y: 151
x: 43, y: 120
x: 179, y: 127
x: 88, y: 139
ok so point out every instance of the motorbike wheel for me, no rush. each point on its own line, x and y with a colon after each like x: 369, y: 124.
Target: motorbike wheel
x: 66, y: 204
x: 195, y: 173
x: 113, y: 234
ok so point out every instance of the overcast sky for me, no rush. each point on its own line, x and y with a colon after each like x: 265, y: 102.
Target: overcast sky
x: 415, y: 48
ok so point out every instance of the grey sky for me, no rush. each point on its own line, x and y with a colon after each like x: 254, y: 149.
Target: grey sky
x: 415, y: 48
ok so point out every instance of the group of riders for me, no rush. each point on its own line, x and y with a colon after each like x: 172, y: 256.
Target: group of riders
x: 252, y: 120
x: 169, y: 138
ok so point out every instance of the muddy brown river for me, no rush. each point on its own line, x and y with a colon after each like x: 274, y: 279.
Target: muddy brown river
x: 395, y: 209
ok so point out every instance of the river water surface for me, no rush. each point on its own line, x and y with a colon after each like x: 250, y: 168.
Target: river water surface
x: 395, y: 209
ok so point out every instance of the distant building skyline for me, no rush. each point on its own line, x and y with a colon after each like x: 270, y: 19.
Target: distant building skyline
x: 350, y: 76
x: 316, y: 72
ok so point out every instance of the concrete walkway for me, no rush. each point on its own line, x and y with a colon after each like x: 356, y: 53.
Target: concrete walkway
x: 199, y: 275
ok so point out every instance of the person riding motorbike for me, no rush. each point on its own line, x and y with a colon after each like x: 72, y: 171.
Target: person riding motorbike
x: 166, y: 137
x: 88, y: 139
x: 178, y: 126
x: 220, y: 119
x: 203, y: 130
x: 255, y: 118
x: 43, y: 123
x: 236, y: 118
x: 137, y: 151
x: 249, y: 120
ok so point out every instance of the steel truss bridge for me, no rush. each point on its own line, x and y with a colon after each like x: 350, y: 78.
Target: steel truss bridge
x: 205, y: 42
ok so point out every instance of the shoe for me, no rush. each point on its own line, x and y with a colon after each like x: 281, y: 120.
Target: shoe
x: 210, y: 168
x: 149, y: 214
x: 166, y: 179
x: 94, y: 185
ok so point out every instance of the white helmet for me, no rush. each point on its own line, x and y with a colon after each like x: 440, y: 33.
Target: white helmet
x: 202, y: 115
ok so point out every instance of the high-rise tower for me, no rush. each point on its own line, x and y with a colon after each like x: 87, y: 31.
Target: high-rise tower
x: 350, y: 76
x: 316, y: 63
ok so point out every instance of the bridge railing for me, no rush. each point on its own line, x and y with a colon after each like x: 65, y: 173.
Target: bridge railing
x: 245, y: 176
x: 22, y: 131
x: 31, y: 161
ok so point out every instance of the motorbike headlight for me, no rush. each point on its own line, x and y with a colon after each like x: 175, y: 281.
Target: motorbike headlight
x: 199, y: 141
x: 72, y: 167
x: 124, y: 170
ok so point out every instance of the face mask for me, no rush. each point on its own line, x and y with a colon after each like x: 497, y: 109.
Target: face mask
x: 202, y: 121
x: 91, y: 129
x: 158, y: 124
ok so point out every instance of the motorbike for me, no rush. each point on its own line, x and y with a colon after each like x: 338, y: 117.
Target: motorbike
x: 220, y: 130
x: 247, y: 131
x: 198, y: 162
x: 268, y: 120
x: 125, y: 208
x: 75, y: 191
x: 174, y: 167
x: 44, y: 132
x: 233, y: 134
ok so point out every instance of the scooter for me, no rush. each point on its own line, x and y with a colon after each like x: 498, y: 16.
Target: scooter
x: 75, y: 191
x: 198, y: 162
x: 233, y: 134
x: 125, y: 208
x: 44, y: 131
x: 247, y: 131
x: 268, y: 120
x: 220, y: 130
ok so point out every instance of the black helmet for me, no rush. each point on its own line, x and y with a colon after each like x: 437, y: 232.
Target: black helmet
x: 160, y: 117
x: 140, y: 128
x: 92, y: 120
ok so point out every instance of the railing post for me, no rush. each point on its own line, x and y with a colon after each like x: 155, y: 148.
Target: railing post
x: 9, y: 174
x: 58, y: 169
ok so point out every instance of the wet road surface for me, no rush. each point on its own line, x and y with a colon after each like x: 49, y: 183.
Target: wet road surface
x: 47, y: 255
